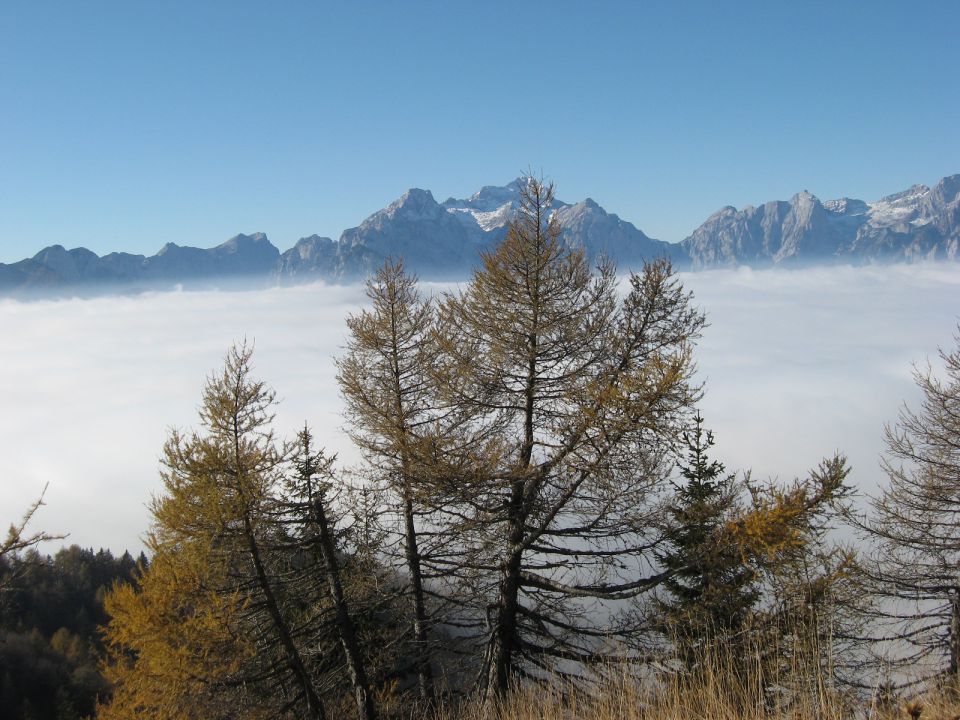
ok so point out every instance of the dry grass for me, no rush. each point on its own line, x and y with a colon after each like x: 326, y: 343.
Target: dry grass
x: 621, y: 701
x: 630, y: 700
x: 720, y: 690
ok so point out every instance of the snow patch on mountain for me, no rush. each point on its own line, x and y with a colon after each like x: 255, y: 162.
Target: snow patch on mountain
x: 492, y: 206
x: 901, y: 207
x: 488, y: 221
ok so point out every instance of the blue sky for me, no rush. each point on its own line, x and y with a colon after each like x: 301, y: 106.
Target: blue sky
x: 124, y: 125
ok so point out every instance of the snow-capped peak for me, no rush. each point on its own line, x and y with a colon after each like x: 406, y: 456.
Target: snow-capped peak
x: 414, y: 204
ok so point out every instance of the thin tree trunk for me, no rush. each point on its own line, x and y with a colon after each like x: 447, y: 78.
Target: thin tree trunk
x: 315, y: 708
x: 423, y: 665
x: 955, y: 634
x: 422, y: 661
x: 345, y: 628
x: 295, y: 662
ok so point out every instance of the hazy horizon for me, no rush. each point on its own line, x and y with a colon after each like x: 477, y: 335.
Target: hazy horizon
x: 798, y: 364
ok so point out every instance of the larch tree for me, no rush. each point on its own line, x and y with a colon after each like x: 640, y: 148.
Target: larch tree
x: 215, y: 520
x: 389, y: 405
x: 176, y: 647
x: 755, y: 582
x: 808, y: 623
x: 571, y: 397
x: 915, y: 524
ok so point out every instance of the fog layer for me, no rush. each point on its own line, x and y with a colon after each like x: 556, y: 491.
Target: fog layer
x: 796, y: 364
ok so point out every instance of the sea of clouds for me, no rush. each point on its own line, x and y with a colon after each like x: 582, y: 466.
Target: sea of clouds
x: 797, y: 365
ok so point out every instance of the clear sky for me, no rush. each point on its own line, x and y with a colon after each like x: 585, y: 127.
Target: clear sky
x: 127, y: 124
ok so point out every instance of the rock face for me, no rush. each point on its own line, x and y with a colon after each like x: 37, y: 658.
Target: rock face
x: 414, y: 227
x: 920, y: 223
x: 588, y: 225
x: 443, y: 241
x: 299, y: 262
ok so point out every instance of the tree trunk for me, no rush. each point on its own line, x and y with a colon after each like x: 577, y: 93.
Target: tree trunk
x: 294, y: 661
x: 505, y: 632
x: 345, y: 629
x: 423, y: 664
x: 954, y: 639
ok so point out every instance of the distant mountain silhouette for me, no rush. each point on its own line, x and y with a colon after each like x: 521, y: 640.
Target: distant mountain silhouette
x: 443, y: 241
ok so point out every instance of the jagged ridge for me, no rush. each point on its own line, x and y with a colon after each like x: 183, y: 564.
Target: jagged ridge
x: 443, y: 240
x: 920, y: 223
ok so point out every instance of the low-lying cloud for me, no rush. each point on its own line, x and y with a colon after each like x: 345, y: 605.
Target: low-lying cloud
x: 797, y: 364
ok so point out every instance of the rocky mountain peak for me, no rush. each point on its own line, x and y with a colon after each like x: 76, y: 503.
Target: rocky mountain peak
x: 904, y: 197
x: 242, y: 243
x: 947, y: 191
x: 68, y: 264
x: 50, y: 251
x: 414, y: 204
x: 313, y: 240
x: 804, y: 197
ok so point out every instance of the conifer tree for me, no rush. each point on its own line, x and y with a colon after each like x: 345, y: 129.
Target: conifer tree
x: 570, y: 398
x: 807, y: 623
x: 712, y: 587
x: 176, y: 647
x: 753, y: 572
x: 915, y: 527
x: 214, y: 519
x: 391, y: 412
x: 307, y: 502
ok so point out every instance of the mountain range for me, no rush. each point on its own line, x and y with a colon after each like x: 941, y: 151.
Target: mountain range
x: 443, y: 241
x: 920, y: 223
